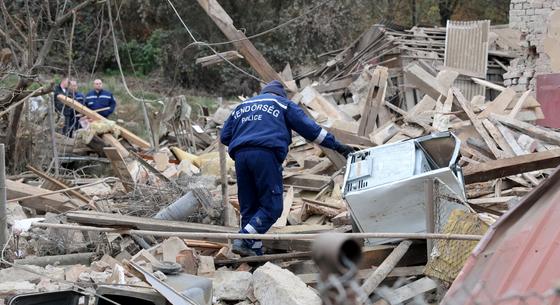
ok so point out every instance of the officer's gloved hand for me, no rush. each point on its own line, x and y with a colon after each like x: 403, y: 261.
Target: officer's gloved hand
x: 345, y: 150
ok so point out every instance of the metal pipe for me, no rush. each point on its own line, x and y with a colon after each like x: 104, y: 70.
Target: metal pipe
x: 3, y: 199
x: 429, y: 202
x: 65, y: 259
x: 330, y: 250
x: 271, y: 236
x: 53, y: 138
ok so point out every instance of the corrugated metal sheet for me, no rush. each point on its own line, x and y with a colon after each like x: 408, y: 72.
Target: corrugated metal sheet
x: 466, y: 47
x: 468, y: 87
x: 548, y: 95
x: 518, y: 260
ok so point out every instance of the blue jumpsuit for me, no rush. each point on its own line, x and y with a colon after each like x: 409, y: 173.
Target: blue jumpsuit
x: 71, y: 122
x: 101, y: 99
x: 258, y: 133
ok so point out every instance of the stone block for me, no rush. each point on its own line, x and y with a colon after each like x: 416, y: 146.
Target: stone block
x: 14, y: 288
x: 10, y: 274
x: 232, y: 285
x: 543, y: 11
x: 276, y: 286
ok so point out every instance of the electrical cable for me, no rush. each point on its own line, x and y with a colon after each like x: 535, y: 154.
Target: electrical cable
x: 210, y: 47
x: 281, y: 25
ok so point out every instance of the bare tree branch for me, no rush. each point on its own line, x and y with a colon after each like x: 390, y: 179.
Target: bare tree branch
x: 50, y: 36
x: 8, y: 17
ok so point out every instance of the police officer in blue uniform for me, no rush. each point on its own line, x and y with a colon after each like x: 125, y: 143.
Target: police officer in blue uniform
x: 71, y: 121
x: 258, y: 133
x: 99, y: 98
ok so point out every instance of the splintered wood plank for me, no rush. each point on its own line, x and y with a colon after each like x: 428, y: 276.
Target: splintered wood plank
x: 313, y: 278
x: 498, y: 137
x: 349, y: 138
x: 409, y: 291
x: 463, y: 103
x: 511, y: 166
x: 515, y: 111
x: 240, y: 41
x: 48, y: 203
x: 510, y: 140
x: 424, y: 81
x: 308, y: 182
x: 548, y: 136
x: 441, y: 120
x: 60, y: 185
x: 288, y: 201
x: 120, y: 168
x: 499, y: 104
x: 113, y: 142
x: 374, y: 101
x: 384, y: 133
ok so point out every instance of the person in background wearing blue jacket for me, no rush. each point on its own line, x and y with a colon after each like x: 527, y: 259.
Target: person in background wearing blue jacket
x: 99, y: 98
x: 71, y: 121
x: 258, y: 133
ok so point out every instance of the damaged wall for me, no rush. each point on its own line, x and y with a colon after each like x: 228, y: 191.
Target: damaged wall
x: 540, y: 41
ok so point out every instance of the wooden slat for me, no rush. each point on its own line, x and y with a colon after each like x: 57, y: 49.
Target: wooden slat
x: 59, y: 184
x: 511, y: 166
x: 499, y: 104
x: 120, y: 168
x: 528, y: 129
x: 288, y: 201
x: 245, y: 47
x: 313, y: 278
x: 519, y: 104
x: 463, y: 103
x: 48, y: 203
x: 374, y: 101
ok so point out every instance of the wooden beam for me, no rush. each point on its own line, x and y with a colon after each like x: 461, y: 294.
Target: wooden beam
x: 463, y: 103
x: 374, y: 101
x: 511, y: 166
x: 424, y: 81
x: 519, y: 104
x: 499, y: 104
x: 215, y: 59
x: 488, y: 84
x: 350, y: 138
x: 265, y: 258
x: 59, y: 184
x: 313, y: 278
x: 282, y: 221
x: 111, y: 141
x: 384, y: 269
x: 120, y: 168
x: 245, y: 47
x: 125, y: 133
x: 498, y: 137
x: 48, y: 203
x: 142, y: 223
x: 548, y: 136
x: 407, y: 292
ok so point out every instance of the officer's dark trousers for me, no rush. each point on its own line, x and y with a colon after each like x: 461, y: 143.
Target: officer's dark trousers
x: 71, y: 124
x: 259, y: 183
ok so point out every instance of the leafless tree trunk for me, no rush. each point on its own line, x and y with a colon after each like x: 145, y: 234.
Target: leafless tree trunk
x: 20, y: 30
x: 446, y: 9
